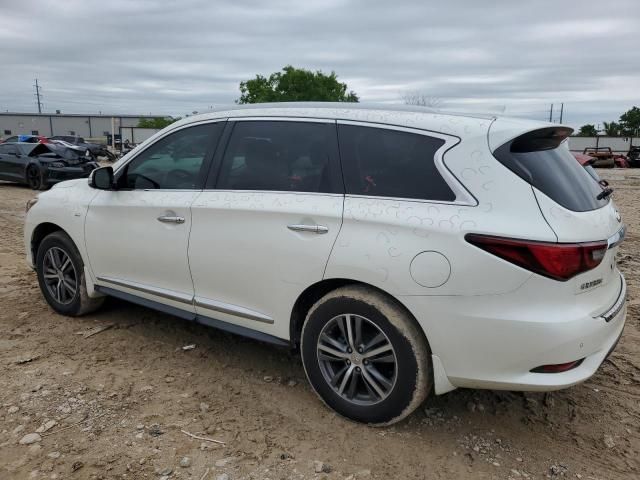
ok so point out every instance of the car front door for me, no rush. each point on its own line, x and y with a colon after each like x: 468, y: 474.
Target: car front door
x: 137, y: 235
x: 263, y: 228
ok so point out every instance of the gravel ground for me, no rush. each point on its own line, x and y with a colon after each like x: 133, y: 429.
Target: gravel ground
x: 122, y: 402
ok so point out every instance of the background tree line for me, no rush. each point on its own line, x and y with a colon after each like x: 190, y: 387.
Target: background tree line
x: 627, y: 126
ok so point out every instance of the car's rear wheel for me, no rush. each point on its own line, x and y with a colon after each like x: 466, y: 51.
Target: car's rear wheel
x: 34, y: 177
x: 61, y: 276
x: 365, y: 356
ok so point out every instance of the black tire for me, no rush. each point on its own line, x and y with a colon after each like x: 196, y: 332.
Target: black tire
x: 57, y: 246
x: 405, y: 386
x: 34, y: 177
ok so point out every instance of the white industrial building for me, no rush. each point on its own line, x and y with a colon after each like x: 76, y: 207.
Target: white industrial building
x: 87, y: 126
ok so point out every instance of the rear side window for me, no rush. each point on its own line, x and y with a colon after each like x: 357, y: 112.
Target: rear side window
x: 390, y: 163
x: 543, y: 161
x: 278, y: 156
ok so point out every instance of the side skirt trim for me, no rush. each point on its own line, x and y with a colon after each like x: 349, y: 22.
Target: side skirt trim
x: 232, y: 310
x: 160, y: 292
x: 192, y: 316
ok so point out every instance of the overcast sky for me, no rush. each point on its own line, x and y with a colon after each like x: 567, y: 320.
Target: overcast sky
x: 174, y: 57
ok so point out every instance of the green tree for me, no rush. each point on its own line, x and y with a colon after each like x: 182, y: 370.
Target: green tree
x: 630, y: 122
x: 295, y: 85
x: 588, y: 130
x: 157, y: 122
x: 611, y: 129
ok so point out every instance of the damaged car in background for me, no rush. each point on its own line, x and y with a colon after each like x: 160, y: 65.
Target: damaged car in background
x: 96, y: 149
x: 40, y: 165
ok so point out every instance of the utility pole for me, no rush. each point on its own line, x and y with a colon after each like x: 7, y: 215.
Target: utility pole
x: 551, y: 113
x: 561, y: 110
x: 38, y: 96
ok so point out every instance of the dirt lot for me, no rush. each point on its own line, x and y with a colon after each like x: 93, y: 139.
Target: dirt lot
x: 116, y: 404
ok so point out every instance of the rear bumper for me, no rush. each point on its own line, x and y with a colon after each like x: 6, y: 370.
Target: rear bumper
x: 490, y: 342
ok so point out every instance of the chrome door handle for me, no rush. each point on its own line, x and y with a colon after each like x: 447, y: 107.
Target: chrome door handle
x: 308, y: 228
x: 170, y: 219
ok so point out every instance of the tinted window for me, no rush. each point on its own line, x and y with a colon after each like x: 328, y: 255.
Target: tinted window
x: 556, y: 173
x: 173, y: 162
x: 279, y: 156
x: 390, y: 163
x: 8, y: 149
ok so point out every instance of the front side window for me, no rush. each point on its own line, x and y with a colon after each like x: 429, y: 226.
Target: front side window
x: 390, y: 163
x: 278, y: 156
x: 173, y: 162
x: 8, y: 149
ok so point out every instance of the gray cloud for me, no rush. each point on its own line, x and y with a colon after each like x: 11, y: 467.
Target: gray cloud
x: 154, y: 56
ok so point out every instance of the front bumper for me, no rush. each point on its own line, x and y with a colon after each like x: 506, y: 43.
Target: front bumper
x: 54, y: 175
x: 494, y: 342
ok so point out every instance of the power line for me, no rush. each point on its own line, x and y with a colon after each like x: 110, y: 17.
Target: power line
x: 37, y: 94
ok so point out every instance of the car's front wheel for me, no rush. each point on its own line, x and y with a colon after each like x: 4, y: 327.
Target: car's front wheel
x: 365, y: 356
x: 61, y: 276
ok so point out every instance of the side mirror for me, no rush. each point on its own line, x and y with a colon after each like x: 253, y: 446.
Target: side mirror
x: 102, y: 179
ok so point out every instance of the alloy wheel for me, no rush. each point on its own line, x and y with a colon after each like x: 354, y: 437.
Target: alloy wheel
x: 357, y: 359
x: 60, y: 276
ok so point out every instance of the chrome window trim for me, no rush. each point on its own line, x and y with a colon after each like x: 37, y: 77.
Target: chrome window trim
x: 463, y: 196
x: 280, y: 192
x: 159, y: 292
x: 281, y: 118
x: 231, y: 309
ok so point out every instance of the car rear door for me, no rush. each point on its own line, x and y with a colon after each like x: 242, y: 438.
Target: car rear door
x: 263, y: 229
x: 137, y: 235
x: 12, y: 163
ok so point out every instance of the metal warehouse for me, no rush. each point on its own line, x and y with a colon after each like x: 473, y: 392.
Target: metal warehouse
x: 88, y: 126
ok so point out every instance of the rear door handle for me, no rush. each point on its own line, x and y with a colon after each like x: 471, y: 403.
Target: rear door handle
x: 319, y: 229
x: 170, y: 219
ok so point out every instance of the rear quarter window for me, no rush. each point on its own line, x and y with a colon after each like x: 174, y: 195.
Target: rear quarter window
x: 548, y: 165
x: 390, y: 163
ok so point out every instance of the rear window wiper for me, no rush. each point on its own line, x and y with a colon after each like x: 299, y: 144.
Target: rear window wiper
x: 606, y: 192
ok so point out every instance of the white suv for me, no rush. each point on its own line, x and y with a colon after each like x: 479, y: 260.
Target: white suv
x: 403, y: 251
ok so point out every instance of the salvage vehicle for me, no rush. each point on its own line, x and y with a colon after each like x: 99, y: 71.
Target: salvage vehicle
x: 604, y: 156
x: 403, y: 251
x: 40, y: 165
x: 96, y: 149
x: 634, y: 157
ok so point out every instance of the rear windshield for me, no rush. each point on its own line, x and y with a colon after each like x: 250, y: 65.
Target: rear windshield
x: 556, y: 173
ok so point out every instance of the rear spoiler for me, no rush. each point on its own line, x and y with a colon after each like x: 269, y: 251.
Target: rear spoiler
x: 530, y: 135
x: 542, y: 139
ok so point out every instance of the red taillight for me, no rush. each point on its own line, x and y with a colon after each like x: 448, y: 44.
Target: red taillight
x: 560, y: 261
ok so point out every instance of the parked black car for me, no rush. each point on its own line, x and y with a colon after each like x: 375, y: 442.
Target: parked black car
x: 634, y: 157
x: 40, y: 165
x: 96, y: 149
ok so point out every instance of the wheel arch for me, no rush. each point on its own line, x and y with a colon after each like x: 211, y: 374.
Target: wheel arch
x: 40, y: 232
x: 315, y: 292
